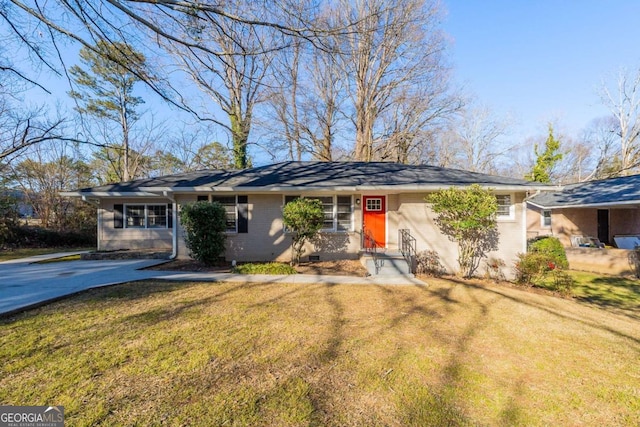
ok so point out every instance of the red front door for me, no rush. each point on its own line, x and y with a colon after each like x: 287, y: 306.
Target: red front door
x: 374, y: 219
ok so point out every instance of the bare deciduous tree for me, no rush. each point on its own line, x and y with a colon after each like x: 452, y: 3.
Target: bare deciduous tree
x: 306, y: 97
x: 20, y: 130
x: 233, y: 76
x: 623, y: 101
x: 474, y: 140
x: 41, y: 28
x: 394, y: 50
x: 50, y: 170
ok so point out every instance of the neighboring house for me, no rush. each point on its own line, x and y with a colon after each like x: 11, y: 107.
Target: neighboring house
x: 382, y: 198
x: 601, y: 209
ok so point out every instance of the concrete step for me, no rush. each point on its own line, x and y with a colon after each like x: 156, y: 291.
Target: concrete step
x: 390, y: 264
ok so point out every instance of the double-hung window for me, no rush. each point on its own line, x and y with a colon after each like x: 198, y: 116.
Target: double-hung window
x: 146, y: 216
x: 506, y: 208
x: 236, y: 208
x: 546, y: 218
x: 231, y: 208
x: 338, y: 211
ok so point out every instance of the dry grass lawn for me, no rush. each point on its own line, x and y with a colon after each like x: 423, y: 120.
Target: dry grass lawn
x: 450, y: 353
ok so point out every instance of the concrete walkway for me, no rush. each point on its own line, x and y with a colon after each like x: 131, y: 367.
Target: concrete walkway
x: 24, y: 283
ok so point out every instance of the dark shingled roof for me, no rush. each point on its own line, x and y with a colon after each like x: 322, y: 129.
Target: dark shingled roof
x: 612, y: 191
x: 319, y: 175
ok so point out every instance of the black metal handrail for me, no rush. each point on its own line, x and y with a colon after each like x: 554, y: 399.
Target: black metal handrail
x: 407, y: 244
x: 370, y: 245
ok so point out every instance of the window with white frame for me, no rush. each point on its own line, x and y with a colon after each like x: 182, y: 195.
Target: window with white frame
x: 546, y: 218
x: 327, y: 209
x: 338, y: 211
x: 506, y: 209
x: 146, y: 216
x: 344, y: 213
x: 374, y: 205
x: 231, y: 208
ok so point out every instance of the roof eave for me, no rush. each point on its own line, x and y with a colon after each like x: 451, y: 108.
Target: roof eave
x: 348, y: 188
x: 587, y: 205
x: 107, y: 194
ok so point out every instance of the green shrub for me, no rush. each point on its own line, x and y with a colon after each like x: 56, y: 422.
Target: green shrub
x: 544, y: 266
x: 8, y: 218
x: 562, y: 282
x: 532, y: 266
x: 205, y: 225
x: 264, y: 268
x: 428, y: 262
x: 303, y: 219
x: 468, y: 217
x: 552, y: 247
x: 38, y: 237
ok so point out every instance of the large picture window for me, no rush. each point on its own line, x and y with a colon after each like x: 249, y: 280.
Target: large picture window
x: 338, y: 211
x: 146, y: 216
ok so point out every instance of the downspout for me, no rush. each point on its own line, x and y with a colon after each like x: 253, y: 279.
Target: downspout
x: 174, y: 225
x: 524, y: 217
x: 524, y: 225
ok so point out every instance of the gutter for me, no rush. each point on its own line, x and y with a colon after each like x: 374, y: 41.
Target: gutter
x: 413, y: 188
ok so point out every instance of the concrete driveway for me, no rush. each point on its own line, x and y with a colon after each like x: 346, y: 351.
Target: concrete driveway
x: 24, y: 284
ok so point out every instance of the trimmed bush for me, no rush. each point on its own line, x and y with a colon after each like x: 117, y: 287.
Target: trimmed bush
x: 532, y: 266
x: 468, y: 217
x: 544, y: 266
x: 551, y: 247
x: 303, y: 219
x: 205, y: 225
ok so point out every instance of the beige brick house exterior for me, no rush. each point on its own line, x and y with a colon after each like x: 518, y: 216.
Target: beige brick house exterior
x: 601, y: 209
x: 144, y: 213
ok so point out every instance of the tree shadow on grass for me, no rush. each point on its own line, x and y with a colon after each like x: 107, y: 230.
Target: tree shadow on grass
x: 132, y: 291
x: 443, y: 402
x: 549, y: 309
x: 616, y: 294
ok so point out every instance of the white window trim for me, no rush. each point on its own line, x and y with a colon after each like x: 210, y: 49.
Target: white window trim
x: 235, y: 196
x: 512, y: 208
x: 125, y: 216
x: 542, y: 224
x: 379, y: 199
x: 334, y: 229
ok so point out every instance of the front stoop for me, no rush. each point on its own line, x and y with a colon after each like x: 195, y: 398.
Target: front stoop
x: 391, y: 264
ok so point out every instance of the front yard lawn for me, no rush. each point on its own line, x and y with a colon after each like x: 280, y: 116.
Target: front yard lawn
x: 613, y: 293
x: 609, y: 292
x: 451, y: 353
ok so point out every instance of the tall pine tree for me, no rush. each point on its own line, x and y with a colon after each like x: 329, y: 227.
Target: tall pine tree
x: 106, y: 90
x: 545, y: 161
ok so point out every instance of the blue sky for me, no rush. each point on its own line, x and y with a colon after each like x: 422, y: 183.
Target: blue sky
x: 542, y: 60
